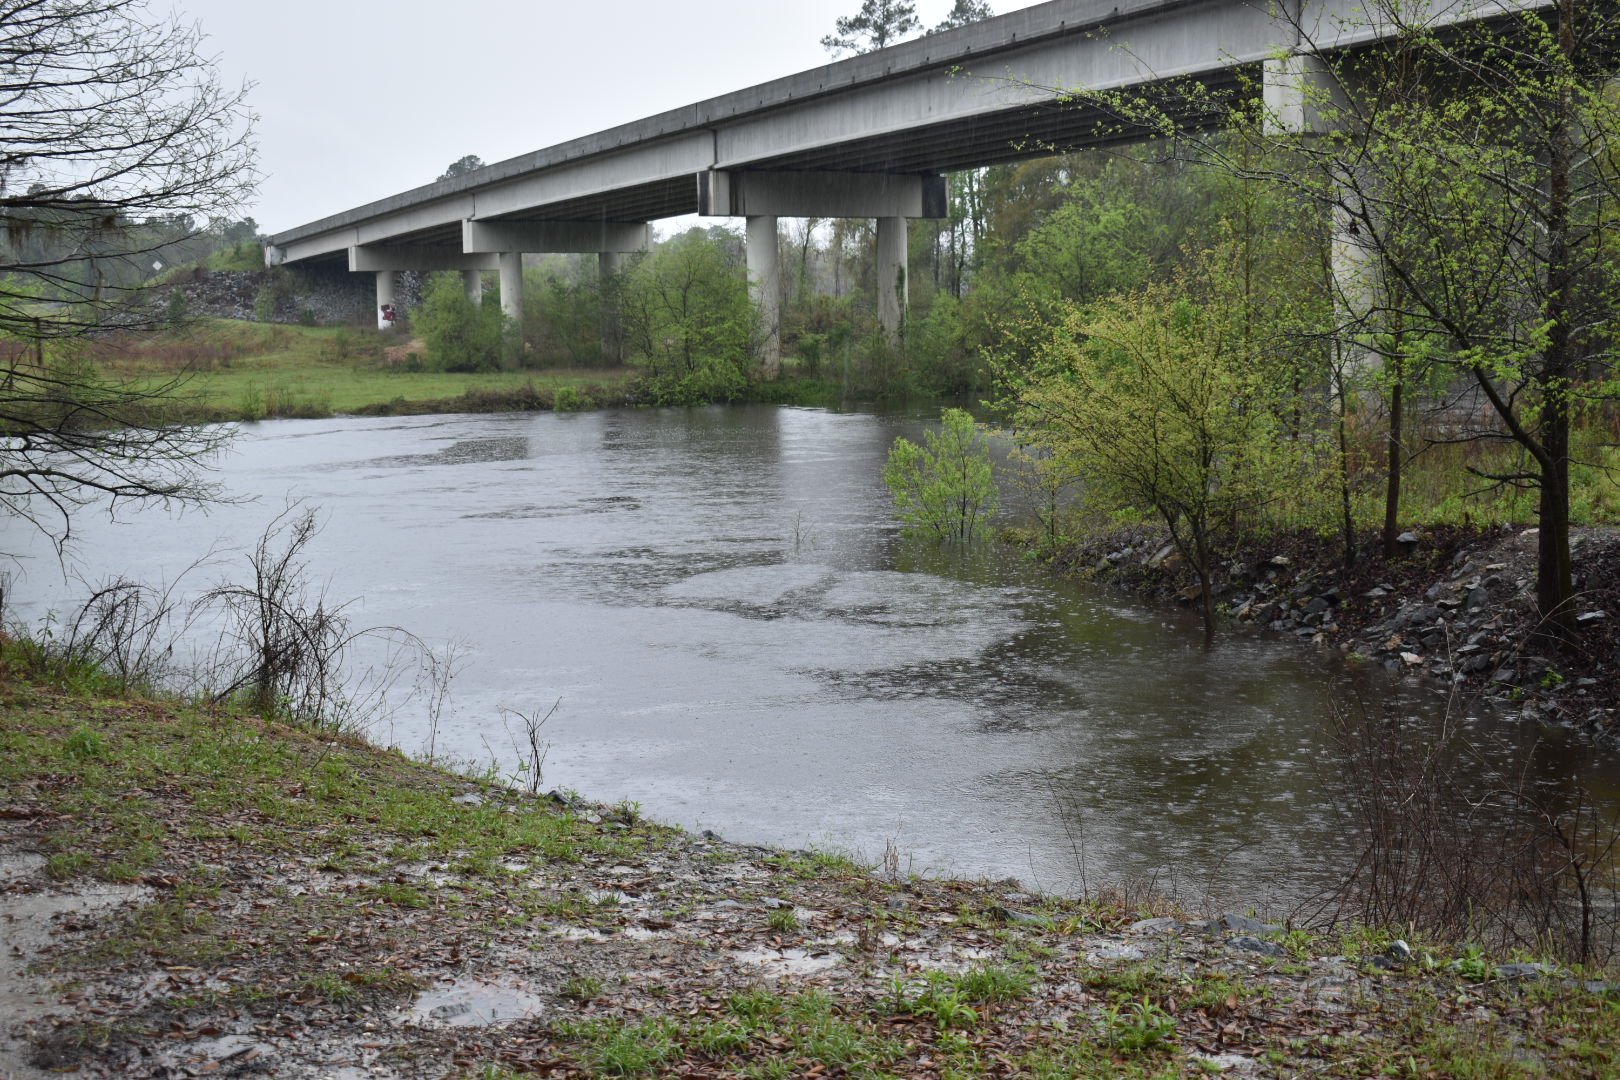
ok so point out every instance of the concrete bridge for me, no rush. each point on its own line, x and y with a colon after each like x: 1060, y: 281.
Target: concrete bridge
x: 870, y: 136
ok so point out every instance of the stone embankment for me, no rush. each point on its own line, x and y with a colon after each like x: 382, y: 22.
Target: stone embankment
x: 1455, y: 606
x: 310, y: 297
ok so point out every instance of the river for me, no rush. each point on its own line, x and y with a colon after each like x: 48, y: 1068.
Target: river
x: 740, y: 641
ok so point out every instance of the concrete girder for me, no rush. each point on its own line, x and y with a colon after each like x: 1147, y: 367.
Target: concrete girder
x: 581, y: 237
x: 408, y: 257
x: 724, y: 193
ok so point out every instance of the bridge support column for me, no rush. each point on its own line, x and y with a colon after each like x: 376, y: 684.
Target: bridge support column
x: 385, y: 295
x: 765, y: 284
x: 510, y: 266
x: 607, y: 280
x: 473, y: 282
x: 893, y: 289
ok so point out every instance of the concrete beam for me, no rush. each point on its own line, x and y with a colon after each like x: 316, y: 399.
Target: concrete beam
x: 738, y: 193
x: 409, y: 257
x: 554, y: 236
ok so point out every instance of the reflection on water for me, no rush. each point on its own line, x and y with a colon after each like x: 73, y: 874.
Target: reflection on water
x: 741, y: 642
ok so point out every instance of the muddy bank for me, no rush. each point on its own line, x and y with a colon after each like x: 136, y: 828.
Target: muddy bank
x: 1456, y: 607
x: 188, y: 893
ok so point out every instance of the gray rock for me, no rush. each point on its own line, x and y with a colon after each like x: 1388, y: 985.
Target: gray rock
x: 1524, y: 971
x: 471, y: 798
x: 1234, y: 923
x: 1399, y: 952
x: 1318, y: 605
x: 1020, y: 918
x: 1114, y: 951
x: 1377, y: 592
x: 1591, y: 617
x: 1245, y: 943
x: 1478, y: 597
x: 1408, y: 538
x: 895, y: 903
x: 1162, y: 925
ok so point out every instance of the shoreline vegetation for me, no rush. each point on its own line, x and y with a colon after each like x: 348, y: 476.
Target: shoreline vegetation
x: 192, y: 890
x: 223, y: 370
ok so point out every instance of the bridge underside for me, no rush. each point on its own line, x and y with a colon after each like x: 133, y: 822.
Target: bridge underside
x: 1041, y: 129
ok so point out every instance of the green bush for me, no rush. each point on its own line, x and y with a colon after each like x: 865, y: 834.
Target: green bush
x: 688, y: 320
x: 461, y: 335
x: 945, y: 488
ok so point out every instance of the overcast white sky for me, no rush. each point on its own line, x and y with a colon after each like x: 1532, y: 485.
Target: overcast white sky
x: 361, y: 100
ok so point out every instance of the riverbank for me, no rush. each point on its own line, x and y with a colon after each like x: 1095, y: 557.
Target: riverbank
x: 224, y: 370
x: 188, y: 892
x: 1455, y: 608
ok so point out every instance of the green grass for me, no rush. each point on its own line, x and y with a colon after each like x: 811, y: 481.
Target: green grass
x: 248, y: 371
x: 268, y: 787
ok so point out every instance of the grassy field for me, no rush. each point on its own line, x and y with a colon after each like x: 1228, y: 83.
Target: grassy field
x: 247, y: 371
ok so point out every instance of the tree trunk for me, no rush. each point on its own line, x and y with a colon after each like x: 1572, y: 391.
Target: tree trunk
x: 1396, y: 457
x: 1205, y: 586
x: 1555, y: 590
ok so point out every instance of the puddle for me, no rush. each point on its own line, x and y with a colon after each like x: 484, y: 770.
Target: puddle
x: 19, y: 866
x: 233, y: 1050
x: 780, y: 962
x: 1114, y: 951
x: 477, y: 1003
x: 580, y: 933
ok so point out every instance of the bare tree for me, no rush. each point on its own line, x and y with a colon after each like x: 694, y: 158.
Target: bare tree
x: 112, y: 124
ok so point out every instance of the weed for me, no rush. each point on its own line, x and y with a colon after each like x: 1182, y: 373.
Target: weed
x: 635, y: 1049
x: 1137, y: 1026
x: 995, y: 983
x: 782, y: 920
x: 754, y: 1004
x: 399, y: 895
x: 583, y: 988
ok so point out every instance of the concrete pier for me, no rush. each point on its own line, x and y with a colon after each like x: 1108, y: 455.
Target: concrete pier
x: 385, y: 295
x: 765, y: 285
x: 510, y: 265
x: 892, y: 287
